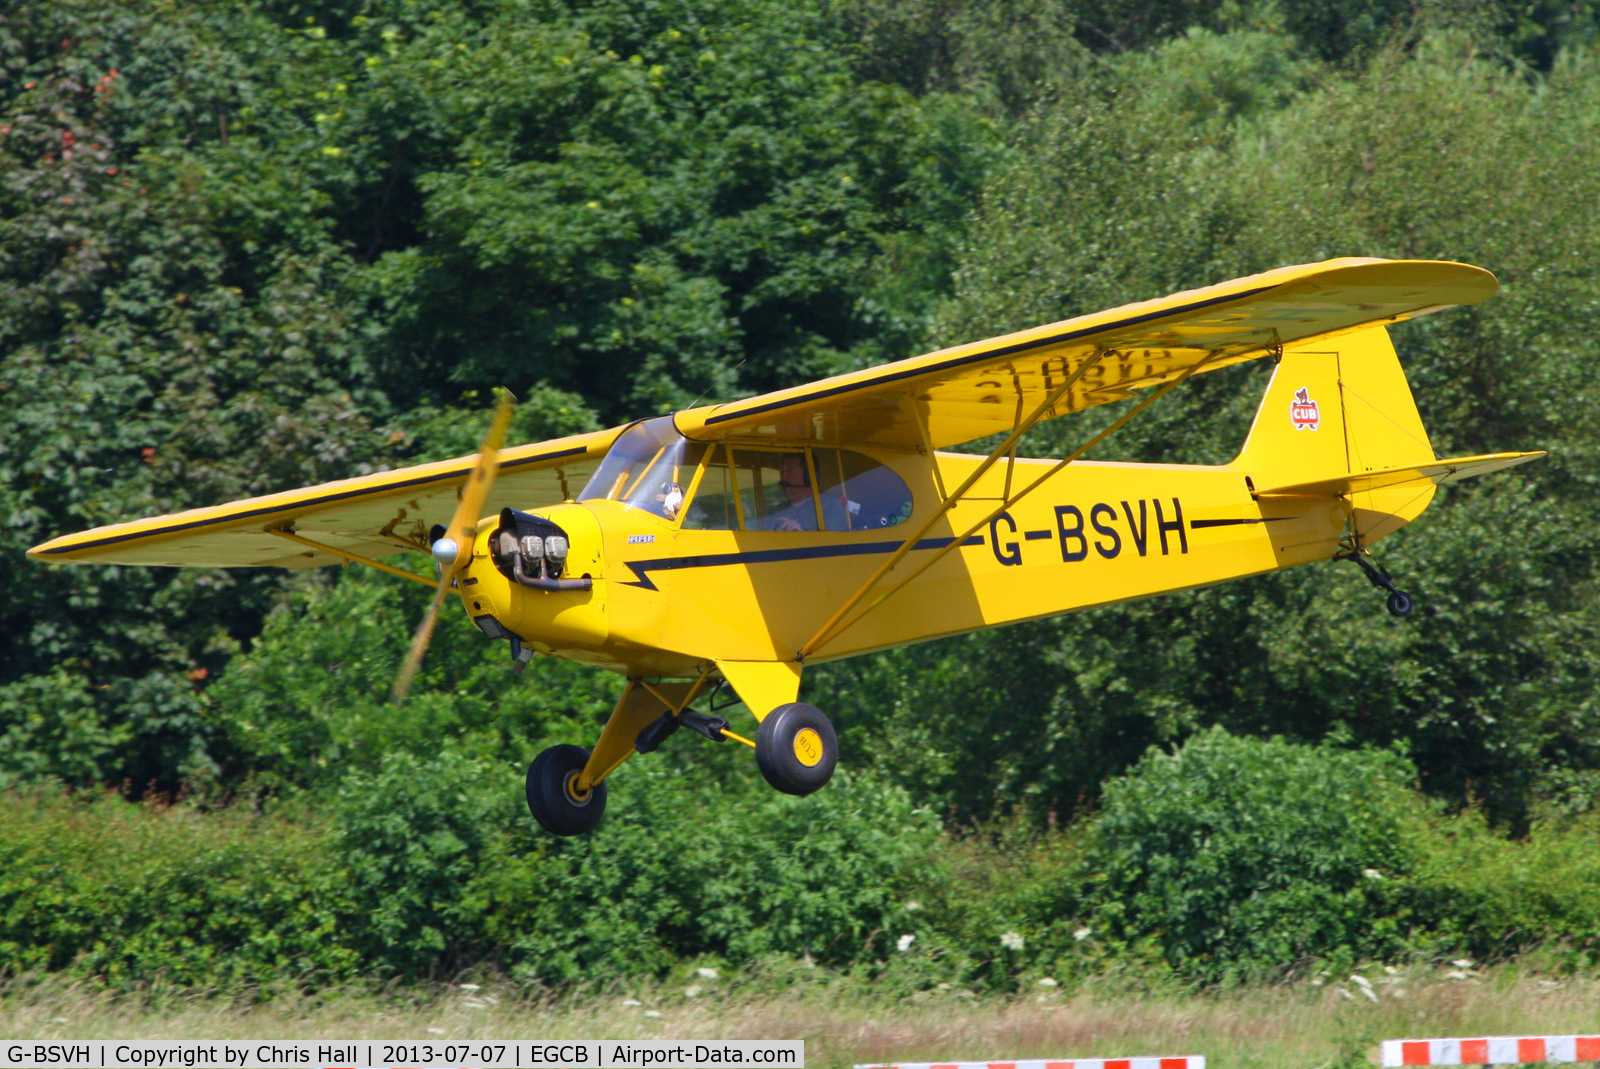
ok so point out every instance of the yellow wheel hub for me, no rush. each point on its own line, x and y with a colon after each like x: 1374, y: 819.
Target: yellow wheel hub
x: 808, y: 747
x: 575, y: 795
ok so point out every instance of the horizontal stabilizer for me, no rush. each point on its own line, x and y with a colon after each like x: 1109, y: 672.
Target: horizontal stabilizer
x: 1438, y: 472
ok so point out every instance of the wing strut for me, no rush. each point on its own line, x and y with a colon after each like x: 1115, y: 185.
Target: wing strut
x: 1023, y: 426
x: 354, y: 558
x: 833, y: 628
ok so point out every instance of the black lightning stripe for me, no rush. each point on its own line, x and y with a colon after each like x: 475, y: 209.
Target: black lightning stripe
x: 1196, y: 524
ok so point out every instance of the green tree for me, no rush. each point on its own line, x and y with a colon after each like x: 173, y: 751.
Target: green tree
x: 173, y: 331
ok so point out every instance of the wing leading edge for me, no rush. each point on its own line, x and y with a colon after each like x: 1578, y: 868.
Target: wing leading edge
x: 975, y: 390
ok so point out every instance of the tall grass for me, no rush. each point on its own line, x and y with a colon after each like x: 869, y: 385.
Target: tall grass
x: 1314, y: 1025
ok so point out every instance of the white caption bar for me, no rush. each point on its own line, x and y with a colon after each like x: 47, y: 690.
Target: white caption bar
x: 409, y: 1054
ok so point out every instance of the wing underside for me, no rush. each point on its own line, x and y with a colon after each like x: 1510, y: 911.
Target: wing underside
x: 373, y: 516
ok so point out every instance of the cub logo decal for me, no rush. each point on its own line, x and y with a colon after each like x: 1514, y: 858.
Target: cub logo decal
x: 1303, y: 412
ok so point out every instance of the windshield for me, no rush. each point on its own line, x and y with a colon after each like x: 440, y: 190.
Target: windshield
x: 648, y: 467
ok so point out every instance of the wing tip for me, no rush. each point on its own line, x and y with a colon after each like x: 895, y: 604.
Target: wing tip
x: 1467, y: 283
x: 52, y: 552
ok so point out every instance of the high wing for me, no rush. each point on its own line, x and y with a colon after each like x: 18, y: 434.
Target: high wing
x: 971, y: 391
x: 374, y: 515
x: 941, y: 399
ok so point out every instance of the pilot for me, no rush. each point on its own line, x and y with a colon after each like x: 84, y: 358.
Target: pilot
x: 801, y: 515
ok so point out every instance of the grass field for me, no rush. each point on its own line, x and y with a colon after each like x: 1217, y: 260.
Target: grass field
x: 1310, y: 1025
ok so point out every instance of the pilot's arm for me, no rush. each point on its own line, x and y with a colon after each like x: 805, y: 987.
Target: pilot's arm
x: 802, y: 517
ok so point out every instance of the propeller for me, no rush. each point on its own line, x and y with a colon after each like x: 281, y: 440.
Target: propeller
x: 453, y: 549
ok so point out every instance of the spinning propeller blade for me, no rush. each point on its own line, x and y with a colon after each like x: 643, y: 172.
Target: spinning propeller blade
x: 454, y: 548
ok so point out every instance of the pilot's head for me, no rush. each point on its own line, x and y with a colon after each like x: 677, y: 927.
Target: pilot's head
x: 792, y: 470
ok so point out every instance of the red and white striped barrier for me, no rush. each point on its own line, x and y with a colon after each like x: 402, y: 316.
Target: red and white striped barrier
x: 1188, y: 1062
x: 1491, y: 1050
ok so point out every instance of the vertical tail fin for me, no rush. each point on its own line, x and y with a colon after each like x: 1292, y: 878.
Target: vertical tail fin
x: 1339, y: 406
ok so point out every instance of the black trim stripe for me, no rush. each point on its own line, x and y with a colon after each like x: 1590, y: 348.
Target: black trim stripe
x: 342, y: 495
x: 643, y: 568
x: 987, y: 354
x: 1195, y: 525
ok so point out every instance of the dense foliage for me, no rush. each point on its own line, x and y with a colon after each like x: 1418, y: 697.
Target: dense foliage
x: 1235, y: 851
x: 1231, y: 858
x: 252, y: 246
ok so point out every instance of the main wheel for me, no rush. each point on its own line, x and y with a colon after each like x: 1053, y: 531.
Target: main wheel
x: 553, y: 798
x: 796, y: 748
x: 1400, y: 603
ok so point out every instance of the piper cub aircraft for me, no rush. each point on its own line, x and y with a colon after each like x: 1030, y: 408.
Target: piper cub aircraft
x: 717, y: 551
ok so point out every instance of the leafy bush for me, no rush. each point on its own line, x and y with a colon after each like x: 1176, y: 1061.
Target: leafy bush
x: 127, y: 893
x: 309, y: 702
x: 998, y: 904
x: 1244, y: 856
x: 1228, y: 858
x: 413, y: 836
x: 425, y: 867
x: 1490, y: 897
x: 707, y: 863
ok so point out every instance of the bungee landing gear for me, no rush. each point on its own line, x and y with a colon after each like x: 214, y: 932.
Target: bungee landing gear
x: 796, y: 750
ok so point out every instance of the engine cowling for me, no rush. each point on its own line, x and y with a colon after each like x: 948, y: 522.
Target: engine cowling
x: 539, y: 576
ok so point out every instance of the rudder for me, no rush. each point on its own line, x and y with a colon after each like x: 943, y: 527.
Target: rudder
x: 1336, y: 406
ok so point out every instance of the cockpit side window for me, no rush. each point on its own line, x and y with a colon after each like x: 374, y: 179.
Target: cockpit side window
x: 858, y: 493
x: 777, y: 490
x: 651, y: 466
x: 774, y: 489
x: 715, y: 507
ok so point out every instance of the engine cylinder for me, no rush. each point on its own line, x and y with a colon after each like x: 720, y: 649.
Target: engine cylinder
x: 553, y: 620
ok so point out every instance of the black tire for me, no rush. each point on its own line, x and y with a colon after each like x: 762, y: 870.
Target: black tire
x: 550, y: 798
x: 1400, y: 603
x: 796, y: 748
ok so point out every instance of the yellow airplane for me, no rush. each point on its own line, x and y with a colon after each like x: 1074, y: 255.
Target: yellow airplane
x: 732, y: 544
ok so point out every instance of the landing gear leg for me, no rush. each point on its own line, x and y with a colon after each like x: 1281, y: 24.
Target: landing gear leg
x: 1400, y: 603
x: 566, y: 785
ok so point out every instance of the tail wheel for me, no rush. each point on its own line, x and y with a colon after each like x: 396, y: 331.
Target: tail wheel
x: 796, y: 748
x: 553, y: 795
